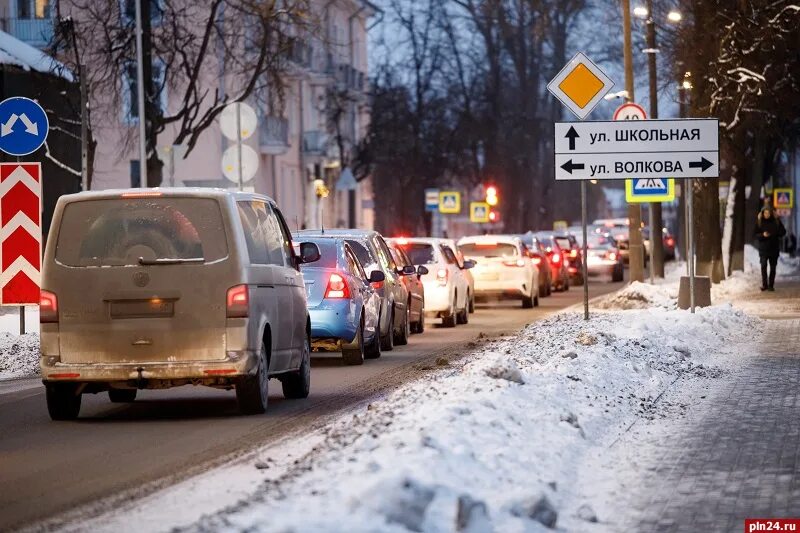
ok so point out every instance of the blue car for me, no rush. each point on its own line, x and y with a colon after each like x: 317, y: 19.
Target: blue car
x: 343, y: 303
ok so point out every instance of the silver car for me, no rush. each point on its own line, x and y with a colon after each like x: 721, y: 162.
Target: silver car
x: 156, y: 288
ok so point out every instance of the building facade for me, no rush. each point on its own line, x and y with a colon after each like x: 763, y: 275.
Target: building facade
x: 299, y: 159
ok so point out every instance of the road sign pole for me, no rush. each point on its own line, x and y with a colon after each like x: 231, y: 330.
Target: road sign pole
x: 690, y: 244
x: 585, y: 253
x: 84, y: 130
x: 140, y: 97
x: 239, y: 143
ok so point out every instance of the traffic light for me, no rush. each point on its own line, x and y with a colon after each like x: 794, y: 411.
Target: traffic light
x: 494, y: 216
x: 491, y: 195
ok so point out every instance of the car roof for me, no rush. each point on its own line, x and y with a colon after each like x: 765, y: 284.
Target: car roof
x: 420, y: 240
x: 508, y: 239
x: 166, y: 192
x: 344, y: 233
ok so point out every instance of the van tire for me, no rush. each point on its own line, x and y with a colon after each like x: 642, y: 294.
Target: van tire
x: 63, y: 401
x: 122, y: 395
x: 252, y: 392
x: 387, y: 341
x: 353, y: 353
x: 297, y: 385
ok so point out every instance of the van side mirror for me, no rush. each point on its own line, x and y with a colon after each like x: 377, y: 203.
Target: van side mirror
x: 469, y: 263
x: 309, y: 252
x: 422, y: 270
x: 376, y: 276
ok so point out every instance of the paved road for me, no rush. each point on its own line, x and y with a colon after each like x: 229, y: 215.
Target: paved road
x: 48, y: 468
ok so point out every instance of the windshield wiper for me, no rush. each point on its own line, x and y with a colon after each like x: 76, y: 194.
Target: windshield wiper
x: 170, y: 261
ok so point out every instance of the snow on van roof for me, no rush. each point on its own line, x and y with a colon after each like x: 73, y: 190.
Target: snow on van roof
x: 18, y: 53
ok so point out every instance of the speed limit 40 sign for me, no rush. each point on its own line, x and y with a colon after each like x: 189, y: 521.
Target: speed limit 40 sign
x: 630, y: 111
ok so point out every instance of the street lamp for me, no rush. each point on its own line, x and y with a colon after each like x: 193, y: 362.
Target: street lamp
x: 674, y: 16
x: 640, y: 11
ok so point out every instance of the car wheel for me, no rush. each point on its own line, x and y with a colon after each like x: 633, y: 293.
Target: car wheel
x: 462, y: 317
x: 549, y: 290
x: 471, y: 303
x: 618, y: 274
x: 252, y: 392
x: 419, y: 327
x: 527, y: 302
x: 353, y: 353
x: 63, y: 401
x: 405, y: 330
x: 297, y: 385
x: 122, y: 395
x: 566, y: 285
x: 449, y: 321
x: 373, y: 351
x: 536, y: 301
x: 387, y: 341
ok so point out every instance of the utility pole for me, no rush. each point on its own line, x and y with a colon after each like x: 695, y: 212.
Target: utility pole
x: 634, y: 211
x: 140, y: 98
x: 84, y: 129
x: 656, y: 219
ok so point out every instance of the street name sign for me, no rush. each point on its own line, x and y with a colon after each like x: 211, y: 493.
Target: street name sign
x: 449, y: 202
x: 645, y: 190
x: 23, y: 126
x: 783, y: 198
x: 613, y: 150
x: 479, y: 212
x: 580, y: 85
x: 431, y: 200
x: 20, y: 233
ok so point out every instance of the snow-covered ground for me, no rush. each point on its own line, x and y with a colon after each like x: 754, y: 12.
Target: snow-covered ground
x: 489, y: 443
x: 19, y: 354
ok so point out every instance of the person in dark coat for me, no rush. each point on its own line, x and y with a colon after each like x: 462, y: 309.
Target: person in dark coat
x: 769, y: 231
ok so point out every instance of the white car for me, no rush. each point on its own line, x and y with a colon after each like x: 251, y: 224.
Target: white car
x: 447, y: 290
x: 502, y: 269
x: 466, y: 271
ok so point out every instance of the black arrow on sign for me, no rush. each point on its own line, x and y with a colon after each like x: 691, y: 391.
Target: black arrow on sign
x: 572, y: 135
x: 704, y: 164
x: 569, y: 166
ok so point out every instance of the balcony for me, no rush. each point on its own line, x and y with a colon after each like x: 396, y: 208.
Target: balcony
x: 315, y: 143
x: 274, y: 135
x: 35, y: 32
x: 350, y: 78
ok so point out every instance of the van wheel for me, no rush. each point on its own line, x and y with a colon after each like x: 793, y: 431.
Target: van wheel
x: 122, y: 395
x: 387, y: 341
x: 297, y: 385
x: 353, y: 353
x: 405, y: 330
x: 252, y: 392
x: 63, y: 401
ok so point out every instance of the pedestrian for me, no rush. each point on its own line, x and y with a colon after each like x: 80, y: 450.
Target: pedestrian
x: 769, y: 231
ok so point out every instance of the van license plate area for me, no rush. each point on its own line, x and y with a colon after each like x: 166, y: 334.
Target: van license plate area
x: 152, y: 308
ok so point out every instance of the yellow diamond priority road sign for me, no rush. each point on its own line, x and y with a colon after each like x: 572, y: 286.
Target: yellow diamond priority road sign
x: 580, y: 85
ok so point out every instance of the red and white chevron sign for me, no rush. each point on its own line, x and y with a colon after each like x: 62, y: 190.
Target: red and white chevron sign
x: 20, y: 233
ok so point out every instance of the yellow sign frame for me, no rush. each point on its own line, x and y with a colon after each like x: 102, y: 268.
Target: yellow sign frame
x: 475, y: 205
x: 650, y: 198
x: 446, y: 210
x: 787, y: 190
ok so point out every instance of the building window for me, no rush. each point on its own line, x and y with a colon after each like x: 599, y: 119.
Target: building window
x: 130, y: 100
x: 34, y: 9
x: 128, y: 8
x: 136, y: 174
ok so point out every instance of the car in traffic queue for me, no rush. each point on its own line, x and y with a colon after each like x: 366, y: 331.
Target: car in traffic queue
x: 556, y: 260
x: 343, y: 302
x: 603, y: 257
x: 447, y: 291
x: 502, y: 268
x: 157, y: 288
x: 451, y: 243
x: 573, y: 255
x: 668, y: 243
x: 372, y: 252
x: 538, y: 255
x: 412, y: 277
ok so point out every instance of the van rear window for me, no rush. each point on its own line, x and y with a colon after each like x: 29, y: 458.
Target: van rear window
x: 118, y: 232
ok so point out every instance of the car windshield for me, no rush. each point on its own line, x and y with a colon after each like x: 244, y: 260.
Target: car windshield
x: 328, y: 253
x: 123, y: 231
x: 420, y: 253
x: 488, y: 249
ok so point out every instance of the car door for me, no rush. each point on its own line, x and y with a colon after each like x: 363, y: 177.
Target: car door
x: 457, y: 274
x: 296, y: 289
x: 269, y: 292
x: 371, y: 299
x: 398, y: 288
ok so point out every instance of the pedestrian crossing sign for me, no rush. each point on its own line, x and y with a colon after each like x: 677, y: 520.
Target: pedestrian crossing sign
x: 479, y: 212
x: 783, y: 198
x: 646, y: 190
x: 449, y: 202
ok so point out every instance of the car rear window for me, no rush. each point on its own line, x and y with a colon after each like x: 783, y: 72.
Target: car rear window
x: 421, y: 253
x: 492, y: 249
x: 563, y: 243
x: 363, y: 254
x: 117, y: 232
x: 328, y: 253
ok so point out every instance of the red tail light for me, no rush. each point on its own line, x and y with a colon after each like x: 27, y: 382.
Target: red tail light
x: 556, y: 258
x: 237, y: 303
x: 537, y: 260
x: 515, y: 263
x: 337, y: 287
x: 48, y: 307
x: 573, y: 253
x: 670, y: 241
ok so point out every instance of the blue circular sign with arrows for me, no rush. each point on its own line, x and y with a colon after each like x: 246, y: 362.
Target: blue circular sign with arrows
x: 23, y: 126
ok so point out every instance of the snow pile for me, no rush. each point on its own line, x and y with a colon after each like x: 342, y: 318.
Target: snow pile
x: 492, y: 443
x: 640, y: 296
x: 19, y: 355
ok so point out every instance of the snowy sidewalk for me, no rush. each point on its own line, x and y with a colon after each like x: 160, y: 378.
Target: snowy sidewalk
x: 724, y: 453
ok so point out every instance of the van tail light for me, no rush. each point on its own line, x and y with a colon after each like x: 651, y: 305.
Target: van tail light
x: 556, y: 258
x: 537, y: 261
x: 514, y: 263
x: 48, y: 307
x: 441, y: 276
x: 337, y: 287
x: 237, y: 302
